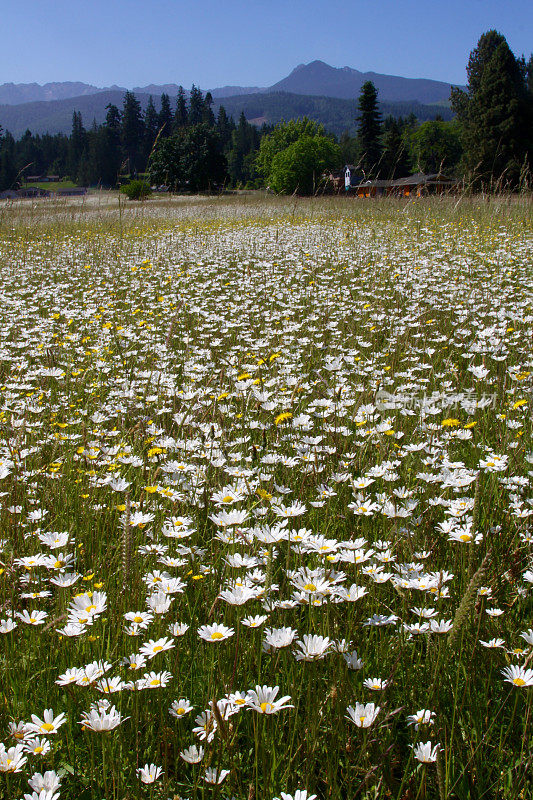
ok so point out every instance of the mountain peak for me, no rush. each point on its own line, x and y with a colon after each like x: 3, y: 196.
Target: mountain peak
x: 319, y: 78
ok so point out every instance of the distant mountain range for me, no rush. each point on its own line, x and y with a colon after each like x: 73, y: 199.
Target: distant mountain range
x: 318, y: 90
x: 316, y: 78
x: 15, y: 94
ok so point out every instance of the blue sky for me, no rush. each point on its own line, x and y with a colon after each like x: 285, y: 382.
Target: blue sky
x: 246, y: 42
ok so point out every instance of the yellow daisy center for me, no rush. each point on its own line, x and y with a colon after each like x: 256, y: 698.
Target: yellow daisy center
x: 46, y: 727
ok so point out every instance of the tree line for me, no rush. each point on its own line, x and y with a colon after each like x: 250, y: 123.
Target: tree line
x: 184, y: 146
x: 120, y: 149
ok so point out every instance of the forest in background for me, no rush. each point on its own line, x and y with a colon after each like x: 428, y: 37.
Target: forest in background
x: 189, y: 144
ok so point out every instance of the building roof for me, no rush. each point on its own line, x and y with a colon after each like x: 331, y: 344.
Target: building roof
x: 378, y: 184
x: 419, y: 178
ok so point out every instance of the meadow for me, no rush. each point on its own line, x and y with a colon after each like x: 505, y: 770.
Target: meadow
x: 266, y: 508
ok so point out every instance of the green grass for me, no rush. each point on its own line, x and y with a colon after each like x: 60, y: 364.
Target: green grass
x: 250, y: 354
x: 52, y: 186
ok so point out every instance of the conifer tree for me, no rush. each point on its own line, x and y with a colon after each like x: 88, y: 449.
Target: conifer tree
x: 165, y: 116
x: 225, y: 127
x: 105, y: 157
x: 191, y: 158
x: 181, y: 114
x: 132, y: 131
x: 151, y: 127
x: 348, y: 148
x: 113, y: 118
x: 395, y: 159
x: 77, y: 144
x: 529, y: 75
x: 8, y: 170
x: 208, y: 117
x: 114, y: 156
x: 196, y: 106
x: 369, y: 131
x: 493, y: 114
x: 239, y: 149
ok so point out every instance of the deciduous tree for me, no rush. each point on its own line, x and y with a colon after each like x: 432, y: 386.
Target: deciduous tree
x: 301, y: 166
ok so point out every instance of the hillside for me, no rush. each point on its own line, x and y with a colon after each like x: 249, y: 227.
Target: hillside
x: 55, y: 116
x: 336, y: 115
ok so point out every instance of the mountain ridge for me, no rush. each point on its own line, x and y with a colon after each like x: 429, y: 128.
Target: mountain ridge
x: 319, y: 78
x: 312, y: 78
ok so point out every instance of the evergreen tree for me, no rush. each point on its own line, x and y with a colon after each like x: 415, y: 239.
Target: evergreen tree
x: 87, y: 174
x: 8, y: 169
x: 369, y: 131
x: 395, y: 159
x: 132, y: 132
x: 191, y: 158
x: 196, y: 106
x: 348, y: 148
x: 77, y: 145
x: 181, y: 114
x: 104, y: 158
x: 238, y: 151
x: 165, y: 116
x: 494, y: 114
x: 54, y: 150
x: 529, y: 75
x: 225, y: 127
x: 481, y: 56
x: 114, y: 155
x: 27, y: 155
x: 207, y: 116
x: 113, y: 119
x: 204, y: 165
x: 151, y: 127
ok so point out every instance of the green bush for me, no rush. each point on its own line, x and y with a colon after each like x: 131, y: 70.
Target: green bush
x: 136, y: 190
